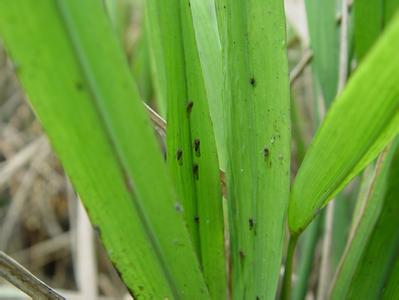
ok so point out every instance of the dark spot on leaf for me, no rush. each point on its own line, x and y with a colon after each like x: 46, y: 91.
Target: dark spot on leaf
x: 266, y: 152
x: 252, y: 81
x: 196, y: 219
x: 197, y: 147
x: 251, y: 223
x: 179, y: 156
x: 190, y: 105
x: 196, y: 171
x: 242, y: 254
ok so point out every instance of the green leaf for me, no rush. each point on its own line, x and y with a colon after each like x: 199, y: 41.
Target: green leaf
x: 210, y: 52
x: 382, y: 248
x: 363, y: 224
x: 391, y: 290
x: 362, y: 120
x: 390, y: 9
x: 192, y: 155
x: 368, y: 24
x: 79, y: 85
x: 156, y: 56
x: 324, y: 41
x: 257, y: 100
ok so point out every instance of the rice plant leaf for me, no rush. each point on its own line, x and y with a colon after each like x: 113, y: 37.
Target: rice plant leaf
x: 369, y: 17
x: 192, y: 154
x: 391, y: 290
x: 153, y: 35
x: 364, y: 223
x: 360, y: 123
x: 118, y: 12
x: 210, y: 52
x: 382, y: 248
x: 257, y: 103
x: 79, y: 85
x: 324, y: 41
x: 390, y: 9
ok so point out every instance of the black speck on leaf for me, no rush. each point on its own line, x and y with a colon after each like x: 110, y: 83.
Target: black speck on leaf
x: 266, y: 152
x: 179, y: 156
x: 197, y: 145
x: 190, y: 105
x: 196, y: 171
x: 251, y: 223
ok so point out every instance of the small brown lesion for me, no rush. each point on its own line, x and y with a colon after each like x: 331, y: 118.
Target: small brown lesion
x: 179, y: 156
x: 251, y: 223
x: 189, y: 107
x: 196, y: 171
x: 266, y: 152
x: 197, y: 147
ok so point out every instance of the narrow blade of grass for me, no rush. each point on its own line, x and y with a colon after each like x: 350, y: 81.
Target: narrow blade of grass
x: 156, y: 57
x: 382, y: 248
x: 324, y: 40
x: 355, y: 130
x: 391, y: 290
x: 86, y: 100
x: 368, y: 24
x: 363, y: 226
x: 390, y: 9
x: 210, y: 52
x: 258, y: 138
x: 192, y: 154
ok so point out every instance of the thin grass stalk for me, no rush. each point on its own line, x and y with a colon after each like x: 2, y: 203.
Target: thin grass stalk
x: 289, y: 267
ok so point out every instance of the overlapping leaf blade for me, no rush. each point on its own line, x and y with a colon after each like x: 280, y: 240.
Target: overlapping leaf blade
x: 364, y: 224
x: 382, y: 248
x: 368, y: 24
x: 192, y: 154
x: 361, y: 122
x: 84, y: 96
x: 324, y: 41
x: 258, y: 140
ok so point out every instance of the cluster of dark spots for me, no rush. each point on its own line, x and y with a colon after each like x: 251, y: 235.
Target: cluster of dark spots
x: 196, y: 219
x: 189, y: 107
x: 197, y: 147
x: 179, y: 156
x: 257, y: 298
x: 252, y: 81
x: 242, y: 254
x: 79, y: 85
x: 196, y: 171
